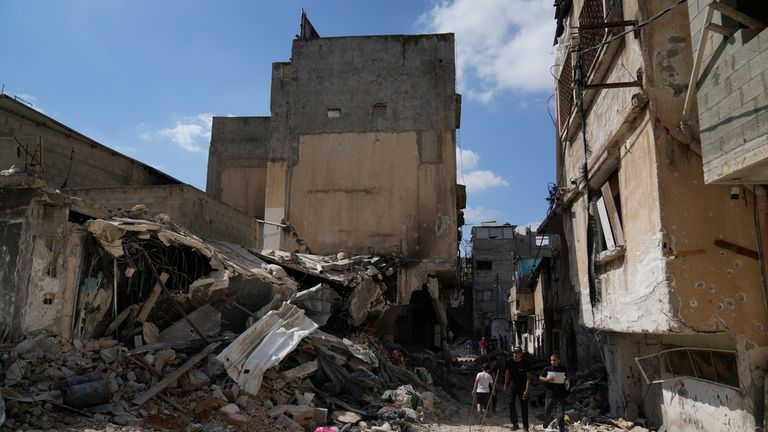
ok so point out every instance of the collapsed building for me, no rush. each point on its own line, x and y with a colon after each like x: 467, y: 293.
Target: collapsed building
x: 338, y: 214
x: 662, y: 230
x: 358, y: 155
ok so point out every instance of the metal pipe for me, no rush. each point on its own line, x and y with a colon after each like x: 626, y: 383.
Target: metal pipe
x: 761, y: 223
x: 271, y: 223
x: 696, y: 67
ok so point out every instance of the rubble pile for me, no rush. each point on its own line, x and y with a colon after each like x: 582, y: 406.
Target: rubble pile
x: 325, y: 381
x: 173, y: 332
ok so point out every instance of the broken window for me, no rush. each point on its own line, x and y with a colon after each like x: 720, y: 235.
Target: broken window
x: 484, y: 265
x: 607, y: 210
x: 711, y: 365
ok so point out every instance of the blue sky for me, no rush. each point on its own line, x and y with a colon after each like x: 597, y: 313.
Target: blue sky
x: 145, y: 77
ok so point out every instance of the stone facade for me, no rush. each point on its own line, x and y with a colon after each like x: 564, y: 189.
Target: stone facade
x: 69, y: 158
x: 658, y: 257
x: 358, y: 154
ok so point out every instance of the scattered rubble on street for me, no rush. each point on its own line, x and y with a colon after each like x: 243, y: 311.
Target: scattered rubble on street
x: 173, y: 332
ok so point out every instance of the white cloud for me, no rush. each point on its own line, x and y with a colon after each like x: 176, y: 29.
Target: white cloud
x: 190, y: 133
x: 476, y: 180
x: 481, y: 180
x: 467, y: 159
x: 501, y: 45
x: 476, y: 215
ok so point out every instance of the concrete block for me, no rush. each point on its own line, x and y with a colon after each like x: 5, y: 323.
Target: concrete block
x: 758, y: 64
x: 742, y: 56
x: 709, y: 118
x: 743, y: 113
x: 727, y: 107
x: 733, y: 139
x: 755, y: 127
x: 715, y: 95
x: 739, y: 77
x: 753, y: 88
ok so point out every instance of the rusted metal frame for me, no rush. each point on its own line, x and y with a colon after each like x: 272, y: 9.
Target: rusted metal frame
x: 677, y: 134
x: 614, y: 85
x: 173, y: 302
x: 31, y: 158
x: 737, y: 249
x: 636, y: 83
x: 608, y: 24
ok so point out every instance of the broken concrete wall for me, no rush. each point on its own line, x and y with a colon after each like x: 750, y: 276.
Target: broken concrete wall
x: 69, y: 159
x: 633, y: 290
x: 13, y: 209
x: 371, y: 146
x: 237, y: 162
x: 732, y: 97
x: 40, y: 281
x: 681, y: 402
x: 670, y: 222
x: 186, y: 205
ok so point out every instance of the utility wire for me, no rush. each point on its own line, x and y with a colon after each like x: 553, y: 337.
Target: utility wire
x: 635, y: 27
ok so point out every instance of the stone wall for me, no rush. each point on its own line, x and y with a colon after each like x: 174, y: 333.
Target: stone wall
x: 69, y: 159
x: 187, y: 206
x: 732, y: 101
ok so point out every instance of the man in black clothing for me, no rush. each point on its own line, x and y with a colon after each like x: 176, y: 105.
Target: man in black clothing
x: 555, y: 378
x: 517, y: 371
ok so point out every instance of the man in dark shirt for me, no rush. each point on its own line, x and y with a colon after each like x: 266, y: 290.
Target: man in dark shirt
x: 554, y: 376
x: 517, y: 372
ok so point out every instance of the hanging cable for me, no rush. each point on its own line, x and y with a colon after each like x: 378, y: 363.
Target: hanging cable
x: 636, y: 26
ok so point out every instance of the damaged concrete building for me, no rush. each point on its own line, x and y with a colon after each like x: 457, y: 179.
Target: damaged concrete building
x: 663, y: 251
x: 501, y: 258
x: 358, y: 156
x: 115, y: 309
x: 48, y: 174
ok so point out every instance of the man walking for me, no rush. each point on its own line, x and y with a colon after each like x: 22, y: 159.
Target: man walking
x: 554, y: 376
x: 517, y: 377
x: 481, y: 390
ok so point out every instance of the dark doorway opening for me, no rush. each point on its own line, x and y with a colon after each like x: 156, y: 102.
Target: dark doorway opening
x: 423, y: 318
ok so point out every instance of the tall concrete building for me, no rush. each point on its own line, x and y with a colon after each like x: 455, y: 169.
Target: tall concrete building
x: 666, y: 265
x: 359, y: 154
x: 499, y: 258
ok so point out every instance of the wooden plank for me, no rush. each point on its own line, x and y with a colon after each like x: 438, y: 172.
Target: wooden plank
x: 120, y: 318
x: 300, y: 372
x: 173, y: 302
x: 152, y: 299
x: 737, y: 249
x: 140, y: 361
x: 717, y: 28
x: 736, y: 15
x: 613, y: 214
x: 605, y: 224
x: 173, y: 376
